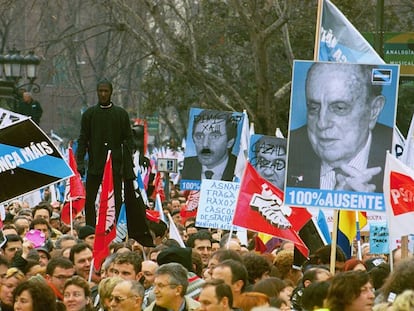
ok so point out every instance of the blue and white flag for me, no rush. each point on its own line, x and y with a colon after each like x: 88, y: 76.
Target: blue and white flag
x: 28, y: 158
x: 340, y: 41
x: 121, y: 225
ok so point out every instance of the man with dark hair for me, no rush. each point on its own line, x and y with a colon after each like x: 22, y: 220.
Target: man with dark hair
x: 200, y: 242
x: 104, y: 127
x: 234, y: 274
x: 58, y: 270
x: 14, y: 243
x: 311, y: 275
x: 214, y: 134
x: 257, y: 267
x: 42, y: 210
x: 170, y: 286
x: 81, y: 257
x: 158, y: 230
x: 342, y: 146
x: 128, y: 266
x: 216, y: 295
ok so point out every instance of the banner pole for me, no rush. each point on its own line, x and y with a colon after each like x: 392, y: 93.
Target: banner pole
x: 71, y: 215
x: 334, y: 241
x: 318, y: 30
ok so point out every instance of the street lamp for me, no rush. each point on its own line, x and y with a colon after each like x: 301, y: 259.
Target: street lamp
x: 13, y: 64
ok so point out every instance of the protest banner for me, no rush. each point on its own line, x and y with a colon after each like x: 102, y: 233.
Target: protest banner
x: 212, y: 146
x: 331, y: 142
x: 217, y: 204
x: 28, y: 158
x: 379, y: 238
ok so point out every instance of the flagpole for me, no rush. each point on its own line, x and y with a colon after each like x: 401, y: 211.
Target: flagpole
x: 71, y: 215
x: 318, y: 30
x: 91, y: 270
x: 358, y: 236
x: 334, y: 241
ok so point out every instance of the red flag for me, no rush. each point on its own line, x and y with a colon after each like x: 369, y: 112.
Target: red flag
x: 191, y: 206
x: 260, y: 208
x: 105, y: 230
x: 75, y: 193
x: 158, y: 187
x: 399, y: 198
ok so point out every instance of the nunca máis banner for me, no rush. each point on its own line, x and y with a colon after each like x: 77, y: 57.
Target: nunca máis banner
x: 28, y: 158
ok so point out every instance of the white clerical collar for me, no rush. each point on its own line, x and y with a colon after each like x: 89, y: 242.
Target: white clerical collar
x: 106, y: 107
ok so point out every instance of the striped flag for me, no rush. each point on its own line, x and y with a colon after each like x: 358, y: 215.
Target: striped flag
x: 349, y: 228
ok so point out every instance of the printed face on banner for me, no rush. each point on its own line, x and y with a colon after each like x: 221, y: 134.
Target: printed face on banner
x: 211, y: 148
x: 268, y: 156
x: 340, y: 129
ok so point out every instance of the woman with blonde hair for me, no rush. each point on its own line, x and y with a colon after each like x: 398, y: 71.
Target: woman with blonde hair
x: 12, y: 279
x: 105, y: 289
x: 404, y: 301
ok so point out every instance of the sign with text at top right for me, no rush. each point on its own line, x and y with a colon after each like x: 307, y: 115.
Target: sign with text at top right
x: 341, y: 124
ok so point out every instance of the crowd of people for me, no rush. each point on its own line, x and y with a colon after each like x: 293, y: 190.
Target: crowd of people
x: 215, y: 271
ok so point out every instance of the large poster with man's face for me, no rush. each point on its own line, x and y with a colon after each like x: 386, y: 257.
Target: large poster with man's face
x: 267, y: 154
x: 212, y: 146
x: 341, y: 125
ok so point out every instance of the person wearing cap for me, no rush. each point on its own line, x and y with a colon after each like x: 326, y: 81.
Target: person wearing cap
x: 170, y: 286
x: 87, y: 234
x: 55, y: 221
x: 183, y: 256
x: 44, y: 256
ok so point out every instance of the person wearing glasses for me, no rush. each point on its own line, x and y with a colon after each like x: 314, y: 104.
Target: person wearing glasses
x: 214, y: 134
x: 58, y: 270
x: 268, y: 156
x: 170, y: 286
x: 77, y: 295
x: 127, y: 296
